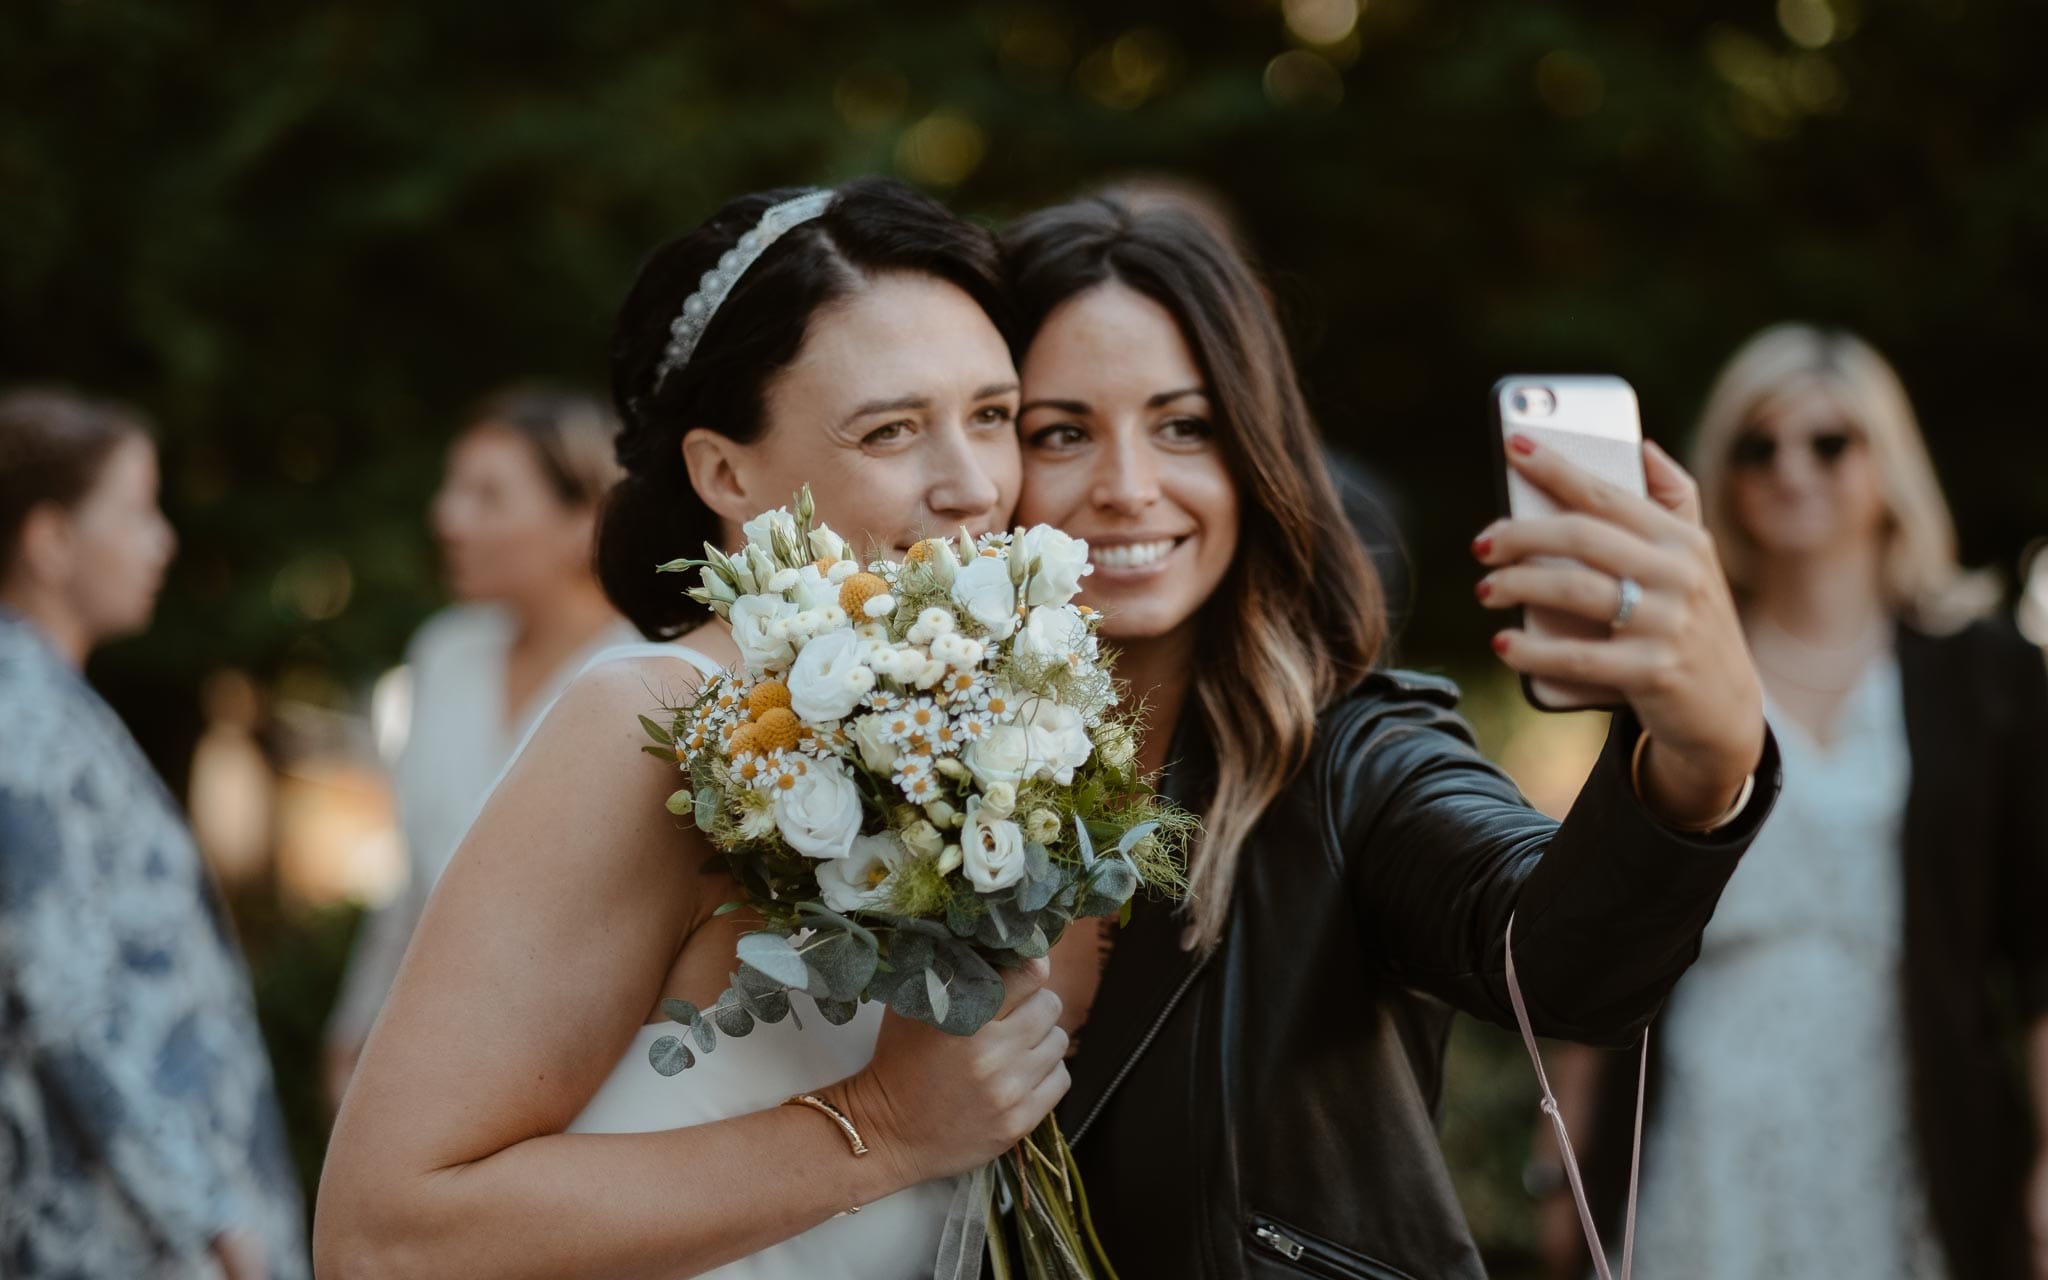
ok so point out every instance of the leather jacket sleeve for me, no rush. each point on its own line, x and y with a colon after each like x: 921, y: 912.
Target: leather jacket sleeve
x: 1438, y: 848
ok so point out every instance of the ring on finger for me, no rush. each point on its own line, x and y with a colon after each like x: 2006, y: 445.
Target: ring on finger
x: 1628, y: 596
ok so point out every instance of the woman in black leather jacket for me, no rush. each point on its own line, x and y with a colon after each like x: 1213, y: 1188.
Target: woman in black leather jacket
x: 1255, y: 1090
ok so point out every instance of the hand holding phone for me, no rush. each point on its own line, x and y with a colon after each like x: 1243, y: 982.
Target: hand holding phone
x: 1586, y: 551
x: 1592, y: 422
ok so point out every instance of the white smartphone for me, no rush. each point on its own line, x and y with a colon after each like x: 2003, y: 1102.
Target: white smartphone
x: 1592, y: 421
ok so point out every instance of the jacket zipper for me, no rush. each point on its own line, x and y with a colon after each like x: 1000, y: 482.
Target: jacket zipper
x: 1319, y: 1257
x: 1151, y: 1034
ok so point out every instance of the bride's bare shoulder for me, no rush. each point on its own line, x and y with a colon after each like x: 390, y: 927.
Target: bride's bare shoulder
x: 617, y: 690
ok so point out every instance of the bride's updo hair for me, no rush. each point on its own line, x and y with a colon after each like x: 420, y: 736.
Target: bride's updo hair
x: 873, y: 227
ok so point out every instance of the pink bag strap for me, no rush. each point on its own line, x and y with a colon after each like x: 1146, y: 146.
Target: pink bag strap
x: 1564, y: 1141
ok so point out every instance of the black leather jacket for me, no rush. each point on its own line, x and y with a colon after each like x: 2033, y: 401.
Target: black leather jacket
x: 1268, y: 1110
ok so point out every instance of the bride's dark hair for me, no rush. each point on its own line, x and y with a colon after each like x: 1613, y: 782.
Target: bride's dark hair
x: 873, y: 227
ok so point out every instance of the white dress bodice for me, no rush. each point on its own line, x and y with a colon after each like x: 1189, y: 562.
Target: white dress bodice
x: 1783, y: 1144
x: 891, y: 1239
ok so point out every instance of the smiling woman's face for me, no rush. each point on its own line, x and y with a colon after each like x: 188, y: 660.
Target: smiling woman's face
x: 899, y: 411
x: 1120, y: 448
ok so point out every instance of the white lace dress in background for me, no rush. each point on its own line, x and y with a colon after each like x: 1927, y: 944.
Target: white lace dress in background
x: 1783, y: 1144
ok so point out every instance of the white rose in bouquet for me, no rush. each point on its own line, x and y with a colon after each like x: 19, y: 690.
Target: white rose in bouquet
x: 983, y: 589
x: 1062, y: 563
x: 1003, y: 754
x: 763, y: 646
x: 992, y: 849
x: 829, y: 680
x: 858, y: 879
x: 1053, y: 634
x: 821, y: 814
x: 1058, y: 740
x: 999, y: 798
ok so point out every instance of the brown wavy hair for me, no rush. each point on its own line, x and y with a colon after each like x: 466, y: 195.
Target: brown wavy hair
x: 1299, y: 618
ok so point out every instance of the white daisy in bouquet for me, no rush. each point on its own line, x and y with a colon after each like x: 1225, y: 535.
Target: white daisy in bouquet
x: 918, y: 775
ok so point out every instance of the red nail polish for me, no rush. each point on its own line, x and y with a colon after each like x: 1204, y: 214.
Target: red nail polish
x: 1482, y: 588
x: 1482, y: 544
x: 1521, y: 444
x: 1500, y: 642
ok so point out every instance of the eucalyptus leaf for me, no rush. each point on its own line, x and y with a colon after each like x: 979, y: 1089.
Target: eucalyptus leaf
x: 1042, y: 878
x: 963, y: 914
x: 682, y: 804
x: 975, y: 987
x: 999, y: 921
x: 705, y: 1034
x: 910, y: 955
x: 935, y: 991
x: 760, y: 994
x: 734, y: 1020
x: 771, y: 955
x: 680, y: 1011
x: 1033, y: 945
x: 770, y: 1006
x: 727, y: 908
x: 707, y: 808
x: 1110, y: 886
x: 1134, y: 835
x: 840, y: 963
x: 670, y: 1056
x: 836, y: 1012
x: 1083, y: 839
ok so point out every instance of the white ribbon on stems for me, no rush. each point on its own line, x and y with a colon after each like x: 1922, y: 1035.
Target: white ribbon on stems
x: 964, y: 1240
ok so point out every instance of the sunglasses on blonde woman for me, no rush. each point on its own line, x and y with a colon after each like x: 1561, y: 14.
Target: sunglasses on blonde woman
x: 1755, y: 451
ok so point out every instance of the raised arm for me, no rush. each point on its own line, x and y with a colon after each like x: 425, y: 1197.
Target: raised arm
x: 539, y: 955
x: 1439, y: 849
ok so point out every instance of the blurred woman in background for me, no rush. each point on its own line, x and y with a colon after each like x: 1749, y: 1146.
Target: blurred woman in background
x: 516, y: 522
x: 1830, y: 1089
x: 139, y: 1128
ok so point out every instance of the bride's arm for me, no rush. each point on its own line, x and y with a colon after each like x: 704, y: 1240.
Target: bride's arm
x: 540, y: 954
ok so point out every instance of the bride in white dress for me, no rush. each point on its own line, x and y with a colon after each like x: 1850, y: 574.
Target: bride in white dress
x: 504, y: 1120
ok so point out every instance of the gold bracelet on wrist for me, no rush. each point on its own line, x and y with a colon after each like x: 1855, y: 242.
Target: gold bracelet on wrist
x: 1728, y: 815
x: 838, y: 1117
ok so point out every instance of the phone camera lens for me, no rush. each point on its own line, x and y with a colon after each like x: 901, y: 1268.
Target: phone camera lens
x: 1534, y: 402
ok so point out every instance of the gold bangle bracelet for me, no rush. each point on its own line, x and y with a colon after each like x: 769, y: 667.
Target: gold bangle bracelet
x: 834, y: 1114
x: 1728, y: 815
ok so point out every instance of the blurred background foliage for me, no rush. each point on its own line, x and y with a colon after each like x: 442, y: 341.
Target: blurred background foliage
x: 302, y: 236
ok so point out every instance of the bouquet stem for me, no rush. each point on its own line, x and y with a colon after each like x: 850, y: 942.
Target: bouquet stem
x: 1054, y: 1234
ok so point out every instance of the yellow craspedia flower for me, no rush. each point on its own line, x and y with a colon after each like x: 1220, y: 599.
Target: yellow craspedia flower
x: 856, y: 591
x: 921, y: 551
x: 776, y: 729
x: 766, y: 696
x: 745, y: 738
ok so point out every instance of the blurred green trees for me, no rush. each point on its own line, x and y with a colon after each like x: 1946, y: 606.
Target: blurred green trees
x: 303, y: 235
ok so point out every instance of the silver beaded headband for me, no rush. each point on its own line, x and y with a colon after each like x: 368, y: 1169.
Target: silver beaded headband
x: 718, y: 282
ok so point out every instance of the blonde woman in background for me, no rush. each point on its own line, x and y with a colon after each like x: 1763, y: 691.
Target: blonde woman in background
x: 515, y: 519
x: 1830, y: 1088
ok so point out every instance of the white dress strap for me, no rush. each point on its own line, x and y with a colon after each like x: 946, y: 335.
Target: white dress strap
x: 655, y: 649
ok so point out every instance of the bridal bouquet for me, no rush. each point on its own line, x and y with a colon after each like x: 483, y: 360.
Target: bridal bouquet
x: 918, y: 777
